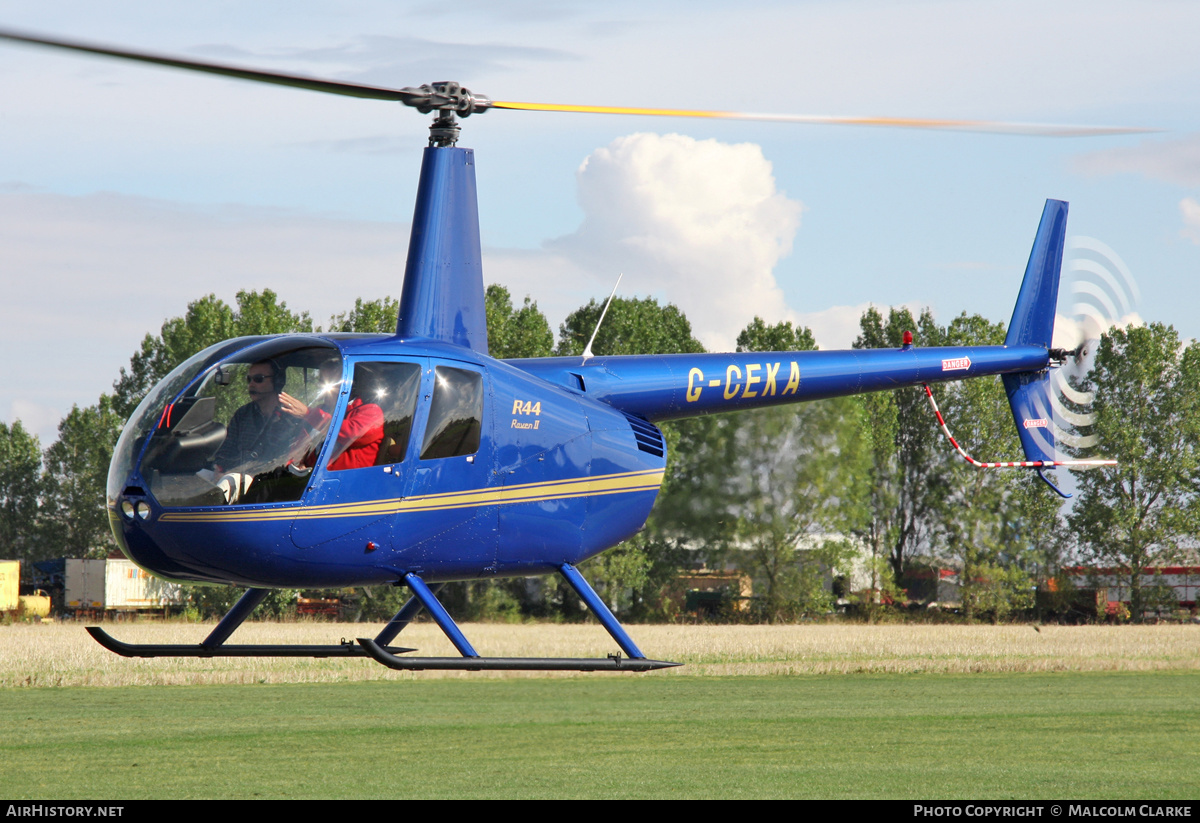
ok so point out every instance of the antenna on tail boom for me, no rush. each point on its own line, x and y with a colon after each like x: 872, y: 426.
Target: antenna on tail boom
x: 587, y: 350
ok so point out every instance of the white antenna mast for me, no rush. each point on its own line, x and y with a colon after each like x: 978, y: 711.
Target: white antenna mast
x: 587, y: 351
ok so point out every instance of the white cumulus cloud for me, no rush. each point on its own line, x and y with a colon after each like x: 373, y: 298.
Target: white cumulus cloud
x: 1190, y: 209
x: 698, y: 223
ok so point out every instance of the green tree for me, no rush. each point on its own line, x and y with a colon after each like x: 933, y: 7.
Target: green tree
x: 1039, y: 532
x: 924, y: 499
x: 20, y: 487
x: 74, y: 512
x: 263, y: 313
x: 978, y: 512
x: 208, y: 320
x: 907, y: 485
x: 797, y: 476
x: 758, y: 336
x: 368, y: 316
x: 1145, y: 510
x: 512, y: 333
x: 214, y: 602
x: 632, y: 325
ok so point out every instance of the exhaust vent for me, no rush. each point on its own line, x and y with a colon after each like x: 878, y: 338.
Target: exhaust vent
x: 649, y: 438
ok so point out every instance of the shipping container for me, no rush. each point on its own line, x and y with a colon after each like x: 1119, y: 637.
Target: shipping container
x: 116, y: 584
x: 84, y: 584
x: 1181, y: 583
x: 10, y: 585
x: 128, y: 587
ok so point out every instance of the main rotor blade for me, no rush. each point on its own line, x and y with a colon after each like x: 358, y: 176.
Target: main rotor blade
x: 451, y: 97
x: 1034, y: 129
x: 296, y: 81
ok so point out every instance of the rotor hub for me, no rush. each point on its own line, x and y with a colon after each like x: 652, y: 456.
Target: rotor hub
x: 450, y: 100
x: 446, y: 96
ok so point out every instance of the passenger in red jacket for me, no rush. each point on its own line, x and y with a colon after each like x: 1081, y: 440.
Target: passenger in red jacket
x: 361, y: 432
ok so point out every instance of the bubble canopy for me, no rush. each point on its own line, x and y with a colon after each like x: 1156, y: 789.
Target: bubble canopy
x: 215, y: 433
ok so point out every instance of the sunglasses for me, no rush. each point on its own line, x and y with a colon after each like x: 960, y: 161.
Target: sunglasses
x: 258, y: 378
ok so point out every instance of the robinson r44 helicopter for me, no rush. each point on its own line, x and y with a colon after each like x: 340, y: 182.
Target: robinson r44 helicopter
x: 417, y: 459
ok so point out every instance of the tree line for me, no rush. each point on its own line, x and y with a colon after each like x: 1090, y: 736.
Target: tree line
x: 779, y: 495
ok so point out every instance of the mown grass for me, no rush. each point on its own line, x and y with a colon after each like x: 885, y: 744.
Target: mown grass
x: 758, y: 711
x: 995, y: 735
x: 57, y: 655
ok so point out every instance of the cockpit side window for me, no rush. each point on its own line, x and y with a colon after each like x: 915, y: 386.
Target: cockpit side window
x: 455, y: 415
x: 379, y: 416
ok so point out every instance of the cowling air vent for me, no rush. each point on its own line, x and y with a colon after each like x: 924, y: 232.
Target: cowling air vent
x: 649, y: 438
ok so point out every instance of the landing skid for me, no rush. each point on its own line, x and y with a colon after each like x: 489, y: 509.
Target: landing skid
x: 377, y: 648
x: 214, y: 644
x: 345, y: 649
x: 612, y: 663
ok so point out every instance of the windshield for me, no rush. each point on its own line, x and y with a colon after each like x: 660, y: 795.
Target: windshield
x: 146, y: 415
x: 232, y: 436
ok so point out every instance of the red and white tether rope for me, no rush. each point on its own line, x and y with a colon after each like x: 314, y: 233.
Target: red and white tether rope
x: 1023, y: 464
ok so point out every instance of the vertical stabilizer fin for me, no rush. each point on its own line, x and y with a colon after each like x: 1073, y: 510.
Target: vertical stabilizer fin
x: 1033, y: 325
x: 1032, y: 321
x: 443, y: 296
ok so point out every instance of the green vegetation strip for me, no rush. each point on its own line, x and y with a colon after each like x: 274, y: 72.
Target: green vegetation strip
x: 1055, y: 735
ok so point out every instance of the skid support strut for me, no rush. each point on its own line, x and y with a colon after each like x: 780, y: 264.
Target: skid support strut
x: 408, y: 612
x: 471, y: 661
x: 588, y: 595
x: 214, y: 644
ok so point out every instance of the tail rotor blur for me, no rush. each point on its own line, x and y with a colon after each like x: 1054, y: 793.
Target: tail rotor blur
x: 1104, y: 294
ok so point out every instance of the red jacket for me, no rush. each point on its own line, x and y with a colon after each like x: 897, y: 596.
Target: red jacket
x: 359, y: 438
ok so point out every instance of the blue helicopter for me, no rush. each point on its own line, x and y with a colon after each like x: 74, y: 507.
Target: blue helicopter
x: 417, y: 459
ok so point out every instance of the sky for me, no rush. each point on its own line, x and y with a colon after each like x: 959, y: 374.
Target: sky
x: 127, y: 191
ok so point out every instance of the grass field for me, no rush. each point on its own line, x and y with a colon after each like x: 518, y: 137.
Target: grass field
x: 62, y: 654
x: 814, y: 711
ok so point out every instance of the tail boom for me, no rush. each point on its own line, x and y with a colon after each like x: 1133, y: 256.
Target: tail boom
x: 674, y: 386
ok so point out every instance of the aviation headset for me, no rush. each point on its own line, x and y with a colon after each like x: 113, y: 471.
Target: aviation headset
x: 278, y: 375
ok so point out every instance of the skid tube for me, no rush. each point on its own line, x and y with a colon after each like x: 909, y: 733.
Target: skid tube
x: 214, y: 644
x: 344, y: 649
x: 612, y: 663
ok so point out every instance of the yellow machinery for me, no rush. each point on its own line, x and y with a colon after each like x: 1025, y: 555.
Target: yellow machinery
x: 34, y: 606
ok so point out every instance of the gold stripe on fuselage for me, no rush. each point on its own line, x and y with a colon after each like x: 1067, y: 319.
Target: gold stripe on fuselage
x: 470, y: 498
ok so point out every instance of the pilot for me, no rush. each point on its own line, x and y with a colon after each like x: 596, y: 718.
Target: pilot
x: 259, y: 433
x: 361, y: 432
